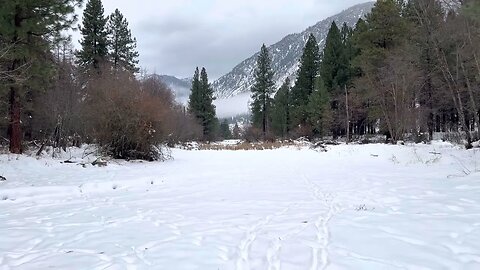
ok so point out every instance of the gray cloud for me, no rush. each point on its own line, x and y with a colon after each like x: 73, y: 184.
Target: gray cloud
x: 176, y: 36
x: 167, y: 27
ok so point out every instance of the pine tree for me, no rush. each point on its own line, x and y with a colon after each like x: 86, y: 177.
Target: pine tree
x: 387, y: 27
x: 336, y: 72
x: 27, y: 29
x: 200, y: 104
x: 122, y: 47
x: 194, y: 101
x: 361, y: 101
x: 225, y: 132
x: 305, y: 83
x: 209, y: 119
x: 345, y: 71
x: 355, y: 41
x: 281, y: 110
x: 332, y: 52
x: 94, y: 40
x: 262, y: 91
x: 385, y: 30
x: 319, y: 114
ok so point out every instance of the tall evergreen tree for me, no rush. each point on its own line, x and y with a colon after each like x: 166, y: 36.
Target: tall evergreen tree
x: 319, y: 113
x: 122, y: 47
x: 209, y: 118
x: 194, y: 101
x: 225, y: 132
x: 281, y: 110
x: 27, y: 28
x: 345, y: 72
x: 305, y: 82
x: 355, y: 41
x: 336, y: 73
x: 361, y: 101
x: 94, y: 40
x: 335, y: 67
x: 262, y: 91
x: 200, y: 103
x: 386, y: 27
x: 332, y: 53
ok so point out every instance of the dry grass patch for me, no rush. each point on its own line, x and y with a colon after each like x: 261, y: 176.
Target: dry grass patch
x: 246, y: 146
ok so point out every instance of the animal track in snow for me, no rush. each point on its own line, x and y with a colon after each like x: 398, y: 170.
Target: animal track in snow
x: 320, y: 253
x: 243, y: 260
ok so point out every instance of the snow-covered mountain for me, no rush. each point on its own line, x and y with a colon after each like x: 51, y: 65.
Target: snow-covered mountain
x: 180, y: 87
x: 285, y: 54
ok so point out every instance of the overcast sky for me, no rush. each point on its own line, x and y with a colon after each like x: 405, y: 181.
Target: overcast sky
x: 175, y: 36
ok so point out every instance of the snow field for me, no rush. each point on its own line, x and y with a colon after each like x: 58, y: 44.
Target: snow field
x: 353, y: 207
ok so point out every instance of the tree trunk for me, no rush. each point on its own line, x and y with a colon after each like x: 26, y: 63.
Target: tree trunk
x: 15, y: 128
x: 452, y: 84
x: 15, y: 123
x: 264, y: 120
x: 473, y: 104
x: 472, y: 43
x: 348, y: 115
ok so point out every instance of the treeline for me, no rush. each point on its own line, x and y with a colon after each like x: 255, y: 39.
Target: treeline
x: 409, y: 69
x: 52, y: 95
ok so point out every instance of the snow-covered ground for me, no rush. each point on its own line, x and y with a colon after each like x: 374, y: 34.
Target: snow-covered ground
x: 353, y: 207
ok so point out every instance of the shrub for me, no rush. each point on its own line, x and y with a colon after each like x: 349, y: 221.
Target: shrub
x: 253, y: 134
x: 128, y: 121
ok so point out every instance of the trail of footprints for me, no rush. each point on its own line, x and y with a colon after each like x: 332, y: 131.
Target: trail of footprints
x: 320, y: 254
x: 243, y: 260
x: 322, y: 234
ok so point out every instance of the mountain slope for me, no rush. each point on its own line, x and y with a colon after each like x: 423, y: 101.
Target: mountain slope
x: 285, y: 54
x: 180, y: 87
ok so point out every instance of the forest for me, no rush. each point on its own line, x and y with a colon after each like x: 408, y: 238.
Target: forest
x: 407, y: 70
